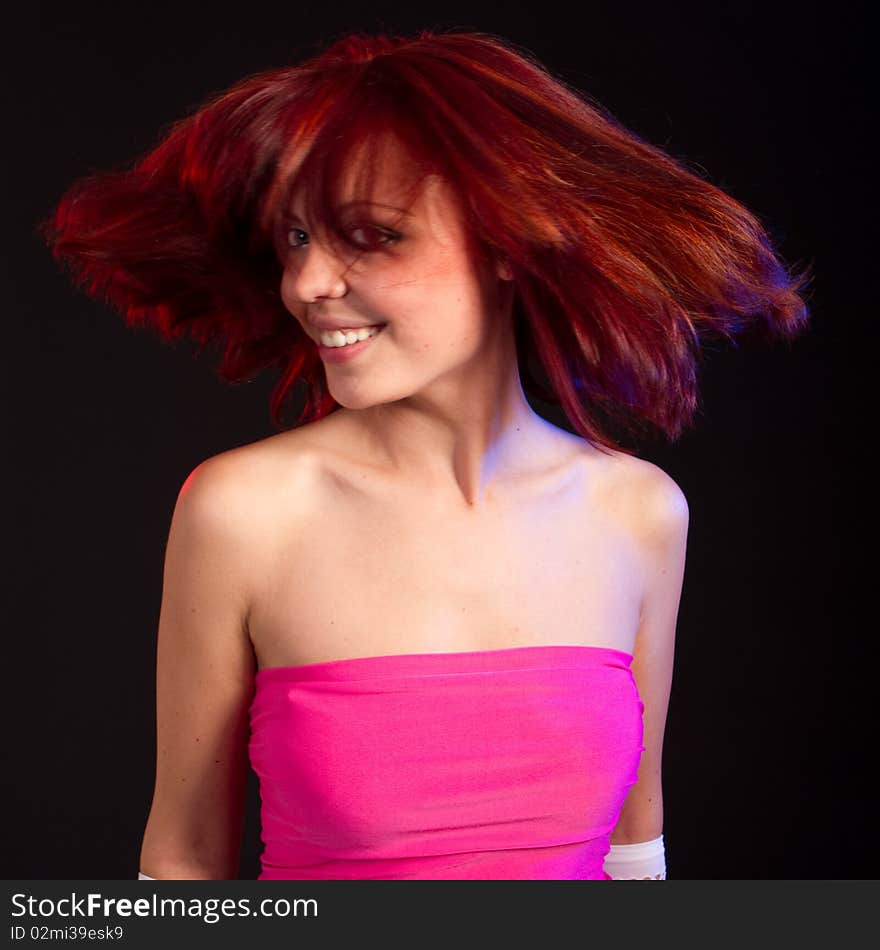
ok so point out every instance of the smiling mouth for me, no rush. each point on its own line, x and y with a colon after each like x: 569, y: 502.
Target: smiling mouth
x: 339, y: 339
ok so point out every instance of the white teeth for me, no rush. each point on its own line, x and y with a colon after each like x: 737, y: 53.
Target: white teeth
x: 344, y: 337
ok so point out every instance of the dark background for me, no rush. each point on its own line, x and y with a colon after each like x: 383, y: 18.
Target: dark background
x: 762, y: 768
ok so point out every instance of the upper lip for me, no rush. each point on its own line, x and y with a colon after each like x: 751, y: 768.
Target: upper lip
x: 328, y: 323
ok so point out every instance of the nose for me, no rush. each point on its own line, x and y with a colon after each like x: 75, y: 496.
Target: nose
x: 314, y: 272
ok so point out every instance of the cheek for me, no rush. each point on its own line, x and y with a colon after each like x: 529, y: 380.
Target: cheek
x: 455, y: 308
x: 443, y: 319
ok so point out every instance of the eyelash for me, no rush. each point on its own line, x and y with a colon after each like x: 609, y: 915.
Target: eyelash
x: 390, y: 237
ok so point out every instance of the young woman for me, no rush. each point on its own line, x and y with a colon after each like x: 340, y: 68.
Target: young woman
x: 440, y: 628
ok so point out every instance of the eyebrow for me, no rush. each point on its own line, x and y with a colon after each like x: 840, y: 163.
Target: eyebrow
x: 376, y: 204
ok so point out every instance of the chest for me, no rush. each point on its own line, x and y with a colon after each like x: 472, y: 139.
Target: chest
x: 364, y: 572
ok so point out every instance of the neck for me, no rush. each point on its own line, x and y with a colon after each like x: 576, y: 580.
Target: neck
x: 462, y: 435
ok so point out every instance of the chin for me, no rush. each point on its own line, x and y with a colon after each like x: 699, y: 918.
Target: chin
x: 367, y: 394
x: 357, y: 400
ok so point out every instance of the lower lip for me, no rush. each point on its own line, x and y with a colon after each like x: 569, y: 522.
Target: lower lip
x: 342, y: 354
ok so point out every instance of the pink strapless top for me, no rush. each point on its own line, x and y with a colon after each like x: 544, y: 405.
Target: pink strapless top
x: 495, y: 765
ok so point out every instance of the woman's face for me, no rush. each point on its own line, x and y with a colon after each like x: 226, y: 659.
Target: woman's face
x: 413, y: 277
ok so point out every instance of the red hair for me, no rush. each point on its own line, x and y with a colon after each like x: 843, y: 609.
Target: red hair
x: 623, y: 259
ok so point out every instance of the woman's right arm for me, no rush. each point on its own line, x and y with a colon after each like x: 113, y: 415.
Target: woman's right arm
x: 204, y: 683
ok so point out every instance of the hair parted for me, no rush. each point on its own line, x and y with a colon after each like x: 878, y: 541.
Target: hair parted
x: 624, y: 260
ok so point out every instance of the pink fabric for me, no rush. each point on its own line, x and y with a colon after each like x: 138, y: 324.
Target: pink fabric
x: 495, y: 765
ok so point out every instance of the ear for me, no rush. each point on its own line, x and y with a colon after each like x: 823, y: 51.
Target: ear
x: 503, y: 270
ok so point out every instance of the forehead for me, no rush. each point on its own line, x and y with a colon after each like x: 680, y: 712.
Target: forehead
x: 382, y: 172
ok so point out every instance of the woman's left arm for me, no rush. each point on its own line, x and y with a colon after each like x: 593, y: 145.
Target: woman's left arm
x: 661, y: 524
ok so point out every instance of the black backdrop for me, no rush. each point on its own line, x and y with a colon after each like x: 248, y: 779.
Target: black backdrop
x: 106, y: 423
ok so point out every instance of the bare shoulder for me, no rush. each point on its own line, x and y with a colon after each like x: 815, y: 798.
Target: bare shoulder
x: 650, y: 501
x: 660, y: 505
x: 234, y: 507
x: 240, y: 484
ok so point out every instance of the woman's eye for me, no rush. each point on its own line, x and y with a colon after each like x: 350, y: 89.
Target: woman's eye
x: 370, y: 236
x: 300, y: 235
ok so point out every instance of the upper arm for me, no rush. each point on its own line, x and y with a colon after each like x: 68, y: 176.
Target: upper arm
x: 204, y: 683
x: 662, y: 519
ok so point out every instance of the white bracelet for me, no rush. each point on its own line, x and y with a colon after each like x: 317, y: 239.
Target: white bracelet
x: 144, y: 877
x: 644, y: 860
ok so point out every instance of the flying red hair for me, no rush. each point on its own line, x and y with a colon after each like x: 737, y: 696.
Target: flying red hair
x: 624, y: 260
